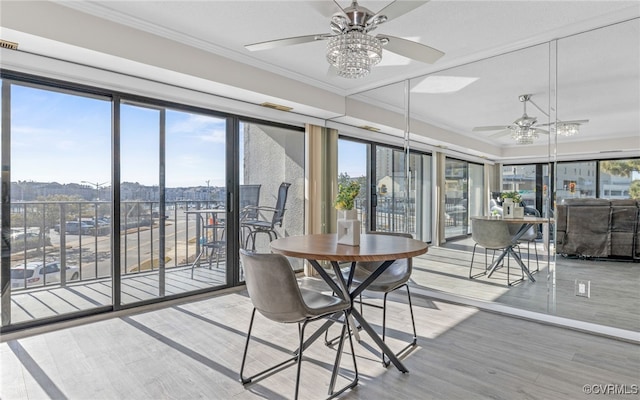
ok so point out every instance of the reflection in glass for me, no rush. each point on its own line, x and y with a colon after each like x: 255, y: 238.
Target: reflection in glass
x: 620, y: 179
x: 352, y: 165
x: 575, y: 180
x: 456, y: 203
x: 602, y: 89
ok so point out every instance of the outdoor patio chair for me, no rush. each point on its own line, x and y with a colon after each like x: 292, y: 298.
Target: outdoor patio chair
x: 267, y: 226
x: 249, y: 202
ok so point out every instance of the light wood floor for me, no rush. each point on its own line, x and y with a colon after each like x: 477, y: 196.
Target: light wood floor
x: 190, y: 350
x: 615, y: 285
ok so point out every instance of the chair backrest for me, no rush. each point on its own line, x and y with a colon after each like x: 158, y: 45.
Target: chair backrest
x: 278, y: 215
x: 491, y: 233
x: 399, y: 268
x: 272, y: 286
x: 249, y: 199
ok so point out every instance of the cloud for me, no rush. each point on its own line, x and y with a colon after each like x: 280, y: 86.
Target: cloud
x: 204, y: 128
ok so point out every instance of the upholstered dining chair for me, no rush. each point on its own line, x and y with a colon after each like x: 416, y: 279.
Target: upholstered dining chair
x: 394, y: 277
x: 529, y: 238
x: 275, y: 294
x: 491, y: 234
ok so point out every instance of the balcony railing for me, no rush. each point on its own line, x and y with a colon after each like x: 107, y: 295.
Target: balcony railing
x: 77, y: 237
x: 72, y: 241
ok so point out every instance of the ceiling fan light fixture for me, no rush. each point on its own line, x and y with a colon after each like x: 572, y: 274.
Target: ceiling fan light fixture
x: 354, y: 53
x: 568, y: 129
x: 524, y: 135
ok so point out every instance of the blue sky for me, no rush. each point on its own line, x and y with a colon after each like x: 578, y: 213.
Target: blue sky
x: 64, y: 138
x: 352, y: 158
x: 67, y: 139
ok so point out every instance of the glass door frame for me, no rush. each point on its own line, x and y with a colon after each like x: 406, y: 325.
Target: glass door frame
x: 370, y: 224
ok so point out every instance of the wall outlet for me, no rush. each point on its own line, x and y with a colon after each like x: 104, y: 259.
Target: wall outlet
x: 583, y: 288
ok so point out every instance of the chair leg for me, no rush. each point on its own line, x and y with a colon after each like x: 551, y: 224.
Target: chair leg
x: 535, y: 249
x: 472, y: 256
x: 244, y: 357
x: 246, y: 347
x: 252, y: 235
x: 301, y: 348
x: 384, y: 325
x: 298, y: 358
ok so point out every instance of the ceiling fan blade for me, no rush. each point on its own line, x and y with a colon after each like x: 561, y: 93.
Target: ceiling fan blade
x: 577, y: 121
x: 503, y: 132
x: 396, y: 9
x: 543, y: 131
x: 271, y: 44
x: 489, y: 128
x: 410, y: 49
x: 325, y: 8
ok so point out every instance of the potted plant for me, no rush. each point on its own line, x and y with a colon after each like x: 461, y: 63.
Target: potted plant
x: 512, y: 196
x: 511, y: 205
x: 344, y: 202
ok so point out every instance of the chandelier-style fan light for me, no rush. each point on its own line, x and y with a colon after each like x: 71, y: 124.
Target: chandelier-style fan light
x: 525, y: 130
x: 351, y: 50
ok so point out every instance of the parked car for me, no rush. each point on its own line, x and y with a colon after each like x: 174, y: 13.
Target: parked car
x: 21, y: 236
x: 101, y: 228
x: 76, y: 228
x: 37, y: 273
x: 21, y: 240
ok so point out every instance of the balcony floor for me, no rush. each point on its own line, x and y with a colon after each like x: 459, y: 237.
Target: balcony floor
x: 39, y: 303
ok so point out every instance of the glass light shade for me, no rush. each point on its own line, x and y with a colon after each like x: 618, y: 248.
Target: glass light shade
x: 524, y: 135
x: 354, y: 53
x: 568, y: 129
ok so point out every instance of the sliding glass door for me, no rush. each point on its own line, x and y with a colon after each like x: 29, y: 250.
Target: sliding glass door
x: 394, y: 196
x: 111, y: 202
x: 464, y: 196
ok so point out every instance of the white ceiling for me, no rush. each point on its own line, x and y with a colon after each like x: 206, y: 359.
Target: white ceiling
x: 598, y: 72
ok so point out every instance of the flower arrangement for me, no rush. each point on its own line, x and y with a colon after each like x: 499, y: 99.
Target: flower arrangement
x: 515, y: 196
x: 346, y: 195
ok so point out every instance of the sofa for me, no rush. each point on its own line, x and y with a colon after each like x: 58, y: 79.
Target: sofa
x: 598, y: 228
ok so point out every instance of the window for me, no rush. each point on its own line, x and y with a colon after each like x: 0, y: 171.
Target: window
x: 620, y: 179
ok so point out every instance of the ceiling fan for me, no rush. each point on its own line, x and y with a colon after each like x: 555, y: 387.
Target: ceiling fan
x: 351, y: 50
x: 525, y: 129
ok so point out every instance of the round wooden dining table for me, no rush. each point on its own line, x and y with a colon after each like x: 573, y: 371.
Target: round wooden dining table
x: 325, y: 247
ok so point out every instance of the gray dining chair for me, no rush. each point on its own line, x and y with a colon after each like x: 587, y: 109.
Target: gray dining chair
x: 530, y: 238
x: 275, y: 294
x: 396, y: 276
x: 491, y: 234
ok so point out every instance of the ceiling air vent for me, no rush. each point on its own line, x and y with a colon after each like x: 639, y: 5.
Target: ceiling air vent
x: 5, y: 44
x: 370, y: 128
x: 276, y: 106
